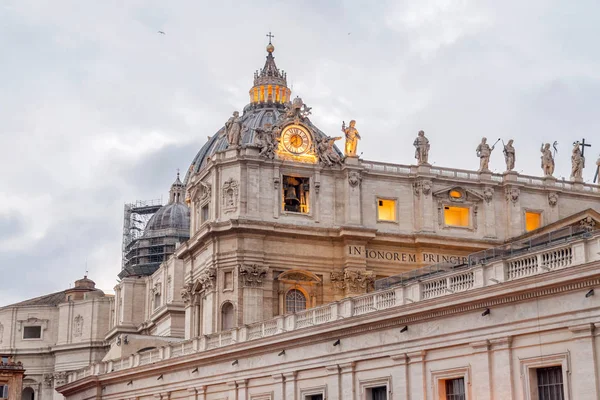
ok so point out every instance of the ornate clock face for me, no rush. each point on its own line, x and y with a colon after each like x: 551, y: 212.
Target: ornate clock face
x: 295, y: 139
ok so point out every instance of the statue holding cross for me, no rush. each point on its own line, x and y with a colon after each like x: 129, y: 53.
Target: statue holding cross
x: 578, y: 160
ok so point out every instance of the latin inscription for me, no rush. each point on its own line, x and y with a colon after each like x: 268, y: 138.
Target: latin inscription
x: 425, y: 258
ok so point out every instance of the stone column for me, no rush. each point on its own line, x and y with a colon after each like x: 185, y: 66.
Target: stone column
x: 501, y: 368
x: 400, y: 376
x: 279, y: 392
x: 208, y: 280
x: 417, y: 379
x: 252, y: 277
x: 290, y: 385
x: 584, y: 374
x: 347, y: 381
x: 481, y: 383
x: 316, y: 204
x: 333, y: 382
x: 277, y: 192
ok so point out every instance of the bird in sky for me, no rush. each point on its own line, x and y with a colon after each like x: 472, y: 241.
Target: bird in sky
x: 161, y: 32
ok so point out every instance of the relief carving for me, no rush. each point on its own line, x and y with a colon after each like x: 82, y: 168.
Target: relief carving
x: 206, y: 191
x: 253, y: 275
x: 354, y: 178
x: 230, y: 195
x: 352, y: 281
x: 78, y: 326
x: 553, y: 199
x: 60, y: 378
x: 588, y: 224
x: 207, y: 278
x: 48, y: 380
x: 488, y: 194
x: 187, y: 292
x: 512, y: 194
x: 422, y: 186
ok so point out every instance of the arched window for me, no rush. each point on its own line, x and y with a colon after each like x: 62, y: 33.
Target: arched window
x: 295, y: 301
x: 227, y: 320
x: 27, y: 394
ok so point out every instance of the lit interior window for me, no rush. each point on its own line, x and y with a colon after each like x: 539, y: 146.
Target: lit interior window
x: 533, y: 220
x: 456, y: 216
x: 386, y: 210
x: 455, y: 194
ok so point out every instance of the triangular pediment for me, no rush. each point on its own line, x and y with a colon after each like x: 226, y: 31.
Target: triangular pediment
x: 466, y: 194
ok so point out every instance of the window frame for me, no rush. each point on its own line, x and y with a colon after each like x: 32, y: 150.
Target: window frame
x: 312, y: 391
x: 4, y: 389
x: 221, y: 316
x: 529, y: 367
x: 367, y: 384
x: 306, y: 300
x: 281, y: 194
x: 41, y: 337
x: 469, y: 207
x: 395, y: 200
x: 532, y: 211
x: 226, y: 288
x: 440, y: 377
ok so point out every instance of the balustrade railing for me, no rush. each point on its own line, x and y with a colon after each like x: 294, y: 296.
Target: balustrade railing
x: 502, y: 264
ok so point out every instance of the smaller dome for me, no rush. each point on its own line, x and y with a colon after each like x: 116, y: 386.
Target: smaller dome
x: 170, y: 216
x: 270, y: 48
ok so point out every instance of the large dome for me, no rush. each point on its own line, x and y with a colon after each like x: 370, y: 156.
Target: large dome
x: 268, y: 99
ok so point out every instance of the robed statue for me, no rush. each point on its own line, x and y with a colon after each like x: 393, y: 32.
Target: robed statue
x: 509, y: 155
x: 422, y: 147
x: 577, y: 162
x: 484, y: 151
x: 547, y: 160
x: 352, y: 138
x: 233, y: 129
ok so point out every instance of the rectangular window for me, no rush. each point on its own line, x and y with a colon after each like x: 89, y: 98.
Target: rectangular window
x: 204, y: 214
x: 386, y: 210
x: 377, y: 393
x: 296, y: 194
x: 456, y: 216
x: 550, y: 383
x: 314, y: 397
x: 3, y: 391
x: 32, y: 332
x: 455, y: 389
x: 533, y: 220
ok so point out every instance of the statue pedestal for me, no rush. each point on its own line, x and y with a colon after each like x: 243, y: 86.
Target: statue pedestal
x: 577, y: 183
x: 549, y: 180
x: 423, y: 169
x: 485, y: 175
x: 509, y: 176
x: 231, y: 152
x: 351, y: 161
x: 251, y: 150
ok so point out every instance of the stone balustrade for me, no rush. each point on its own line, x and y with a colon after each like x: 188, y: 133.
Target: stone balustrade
x: 575, y: 251
x: 475, y: 176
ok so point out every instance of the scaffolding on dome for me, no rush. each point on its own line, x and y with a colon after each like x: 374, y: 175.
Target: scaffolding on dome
x: 135, y: 218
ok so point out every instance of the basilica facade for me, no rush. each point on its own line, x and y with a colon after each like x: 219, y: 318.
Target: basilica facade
x: 294, y: 269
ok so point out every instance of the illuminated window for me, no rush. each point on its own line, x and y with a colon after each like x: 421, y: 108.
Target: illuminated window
x: 455, y: 194
x: 456, y: 216
x: 296, y: 194
x: 533, y: 220
x: 386, y: 210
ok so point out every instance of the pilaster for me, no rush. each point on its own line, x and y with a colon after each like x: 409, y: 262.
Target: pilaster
x: 279, y: 392
x: 400, y: 376
x: 290, y: 385
x: 584, y: 383
x: 501, y: 368
x: 481, y: 380
x: 333, y: 382
x: 417, y: 385
x: 347, y: 380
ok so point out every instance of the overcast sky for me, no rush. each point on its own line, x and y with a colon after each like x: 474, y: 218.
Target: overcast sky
x: 98, y: 109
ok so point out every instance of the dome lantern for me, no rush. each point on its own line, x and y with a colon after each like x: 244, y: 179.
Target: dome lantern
x: 270, y: 83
